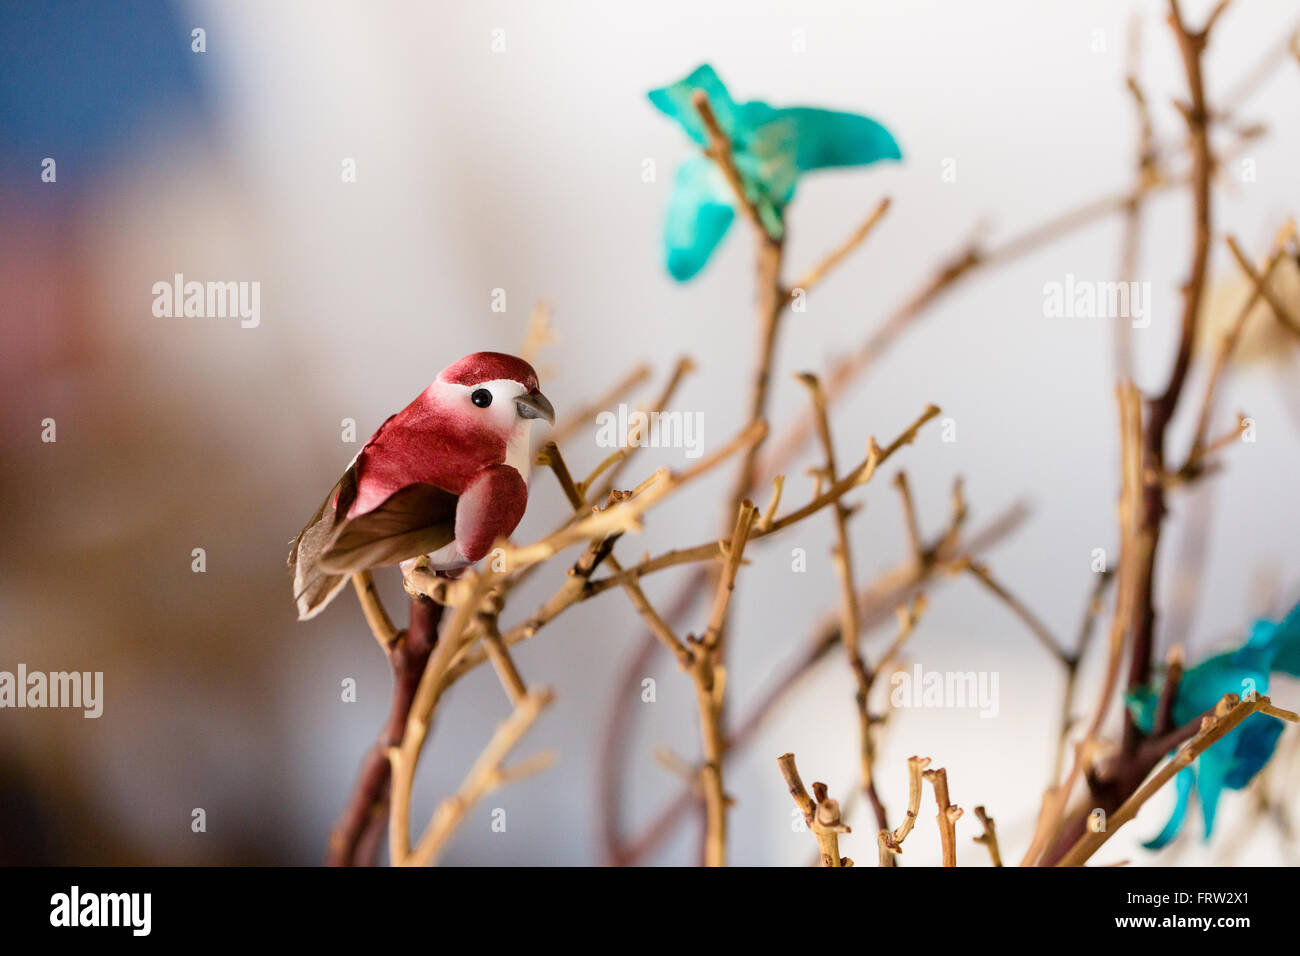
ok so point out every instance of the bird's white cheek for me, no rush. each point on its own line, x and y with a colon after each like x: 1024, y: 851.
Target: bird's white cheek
x: 519, y: 448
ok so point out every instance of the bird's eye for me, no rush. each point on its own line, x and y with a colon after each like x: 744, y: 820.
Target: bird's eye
x: 481, y: 397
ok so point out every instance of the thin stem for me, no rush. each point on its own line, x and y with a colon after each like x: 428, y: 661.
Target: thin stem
x: 710, y: 684
x: 1230, y: 712
x: 841, y: 252
x: 821, y: 813
x: 947, y: 816
x: 989, y: 837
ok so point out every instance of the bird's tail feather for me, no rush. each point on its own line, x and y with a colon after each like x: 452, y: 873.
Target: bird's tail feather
x: 314, y: 588
x: 416, y: 520
x: 316, y: 593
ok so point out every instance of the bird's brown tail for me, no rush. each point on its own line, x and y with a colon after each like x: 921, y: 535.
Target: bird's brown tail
x: 314, y: 588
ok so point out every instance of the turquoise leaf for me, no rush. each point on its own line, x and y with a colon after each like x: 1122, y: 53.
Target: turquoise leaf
x: 1234, y: 761
x: 1183, y: 784
x: 771, y: 149
x: 818, y: 139
x: 675, y: 102
x: 1284, y: 640
x: 699, y: 214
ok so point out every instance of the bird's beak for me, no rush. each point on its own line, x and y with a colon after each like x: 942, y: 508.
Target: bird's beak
x: 535, y: 405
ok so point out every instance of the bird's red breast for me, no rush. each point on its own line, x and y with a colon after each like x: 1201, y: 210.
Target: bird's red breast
x: 429, y: 442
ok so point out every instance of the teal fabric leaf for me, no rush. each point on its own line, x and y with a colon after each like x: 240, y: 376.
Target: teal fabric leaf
x: 1212, y: 769
x: 1142, y: 705
x: 1259, y: 737
x: 1184, y: 783
x: 699, y: 214
x: 675, y: 102
x: 820, y: 139
x: 771, y: 148
x: 1233, y: 761
x: 1285, y: 641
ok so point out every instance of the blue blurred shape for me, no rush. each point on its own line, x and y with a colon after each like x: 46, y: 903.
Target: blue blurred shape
x: 81, y: 80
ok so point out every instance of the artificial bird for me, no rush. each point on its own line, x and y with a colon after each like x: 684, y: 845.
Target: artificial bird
x: 444, y: 478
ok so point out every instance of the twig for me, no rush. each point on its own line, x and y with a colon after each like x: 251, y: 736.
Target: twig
x: 538, y: 334
x: 990, y: 835
x: 710, y: 683
x: 1143, y: 515
x: 625, y: 516
x: 1087, y: 627
x: 1132, y: 563
x: 856, y: 476
x: 1161, y: 409
x: 404, y: 755
x: 865, y: 677
x: 771, y: 306
x: 769, y: 513
x: 909, y: 517
x: 567, y: 427
x: 1148, y: 174
x: 849, y: 626
x: 947, y: 817
x: 574, y: 590
x: 822, y: 814
x: 350, y: 841
x: 473, y: 622
x: 972, y: 257
x: 719, y: 150
x: 847, y: 370
x: 486, y: 775
x: 616, y: 462
x: 1164, y: 718
x: 891, y: 842
x: 877, y: 602
x: 502, y: 662
x: 733, y: 556
x: 658, y: 626
x: 909, y: 615
x: 1262, y: 288
x: 1142, y: 505
x: 771, y: 298
x: 1017, y: 607
x: 1230, y: 712
x: 381, y: 625
x: 818, y: 272
x: 1253, y: 79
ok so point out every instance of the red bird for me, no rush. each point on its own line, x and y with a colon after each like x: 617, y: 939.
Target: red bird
x: 444, y: 477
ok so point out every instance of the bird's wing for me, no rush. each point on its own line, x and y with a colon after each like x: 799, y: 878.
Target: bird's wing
x: 489, y: 509
x: 416, y: 520
x: 312, y: 587
x: 321, y: 524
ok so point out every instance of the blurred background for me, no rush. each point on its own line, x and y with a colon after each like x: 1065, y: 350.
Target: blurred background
x: 502, y: 145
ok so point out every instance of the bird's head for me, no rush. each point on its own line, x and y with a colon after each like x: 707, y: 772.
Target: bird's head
x: 496, y: 389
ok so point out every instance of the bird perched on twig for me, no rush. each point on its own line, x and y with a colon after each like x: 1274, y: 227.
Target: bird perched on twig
x: 444, y: 478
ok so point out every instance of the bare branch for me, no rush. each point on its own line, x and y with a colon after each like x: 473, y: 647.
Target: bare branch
x: 989, y: 837
x: 818, y: 272
x: 1230, y: 712
x: 947, y: 817
x: 822, y: 814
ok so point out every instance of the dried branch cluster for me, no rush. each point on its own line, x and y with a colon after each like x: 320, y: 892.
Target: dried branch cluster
x: 428, y: 659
